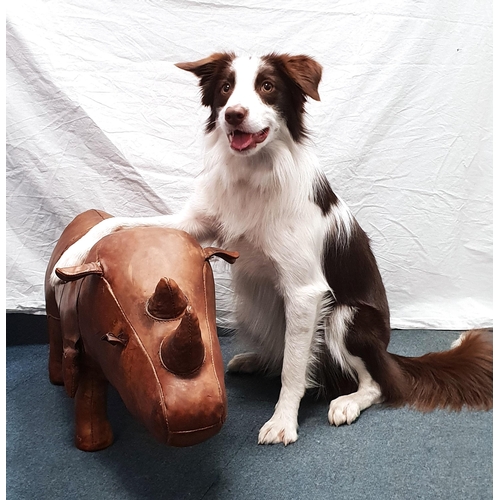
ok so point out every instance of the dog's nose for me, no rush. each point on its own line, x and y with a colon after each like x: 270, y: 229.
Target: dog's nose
x: 235, y: 115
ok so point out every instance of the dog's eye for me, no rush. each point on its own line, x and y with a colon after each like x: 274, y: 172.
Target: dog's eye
x: 226, y: 87
x: 267, y: 87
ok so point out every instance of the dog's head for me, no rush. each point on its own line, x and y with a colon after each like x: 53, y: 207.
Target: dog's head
x: 252, y: 97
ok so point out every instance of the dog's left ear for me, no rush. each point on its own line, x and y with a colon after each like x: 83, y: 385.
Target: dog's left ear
x: 305, y: 72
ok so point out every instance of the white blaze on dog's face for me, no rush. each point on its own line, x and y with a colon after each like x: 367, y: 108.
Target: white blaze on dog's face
x: 252, y: 97
x: 246, y: 119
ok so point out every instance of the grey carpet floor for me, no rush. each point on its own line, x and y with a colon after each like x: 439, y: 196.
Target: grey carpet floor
x: 386, y: 454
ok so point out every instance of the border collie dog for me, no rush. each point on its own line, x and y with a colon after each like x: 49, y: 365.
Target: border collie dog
x: 310, y: 301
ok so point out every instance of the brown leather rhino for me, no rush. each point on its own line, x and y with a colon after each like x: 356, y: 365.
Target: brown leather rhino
x: 139, y: 313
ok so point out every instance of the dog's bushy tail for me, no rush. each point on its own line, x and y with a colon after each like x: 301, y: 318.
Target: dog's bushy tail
x: 462, y: 376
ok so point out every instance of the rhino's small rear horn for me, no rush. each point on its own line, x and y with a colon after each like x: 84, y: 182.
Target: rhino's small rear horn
x: 167, y: 302
x: 183, y: 352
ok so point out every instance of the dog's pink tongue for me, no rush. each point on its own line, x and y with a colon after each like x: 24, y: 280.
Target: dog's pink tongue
x: 241, y: 141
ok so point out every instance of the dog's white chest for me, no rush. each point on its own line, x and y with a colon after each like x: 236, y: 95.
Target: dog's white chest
x: 254, y: 215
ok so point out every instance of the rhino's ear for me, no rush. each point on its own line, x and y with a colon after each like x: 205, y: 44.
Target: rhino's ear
x: 223, y: 254
x: 77, y: 272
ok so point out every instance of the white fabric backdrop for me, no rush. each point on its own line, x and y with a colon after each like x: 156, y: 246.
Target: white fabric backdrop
x: 98, y: 117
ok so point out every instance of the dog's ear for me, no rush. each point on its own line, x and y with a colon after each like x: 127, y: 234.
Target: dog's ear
x: 305, y: 72
x: 206, y: 69
x: 207, y: 66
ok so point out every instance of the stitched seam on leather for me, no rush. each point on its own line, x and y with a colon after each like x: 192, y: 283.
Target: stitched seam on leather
x: 162, y: 320
x: 210, y: 330
x: 190, y: 431
x: 139, y: 341
x: 74, y: 385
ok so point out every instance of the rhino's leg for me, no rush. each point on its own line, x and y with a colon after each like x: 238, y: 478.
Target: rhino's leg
x: 55, y: 350
x: 92, y: 428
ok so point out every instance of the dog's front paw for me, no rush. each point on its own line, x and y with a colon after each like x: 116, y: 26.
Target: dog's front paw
x: 244, y: 363
x: 278, y: 430
x: 343, y: 410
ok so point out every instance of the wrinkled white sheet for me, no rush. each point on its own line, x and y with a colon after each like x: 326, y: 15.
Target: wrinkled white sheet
x: 99, y: 117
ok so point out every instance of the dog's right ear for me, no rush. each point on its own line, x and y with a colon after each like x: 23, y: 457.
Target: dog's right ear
x: 205, y: 69
x: 207, y: 66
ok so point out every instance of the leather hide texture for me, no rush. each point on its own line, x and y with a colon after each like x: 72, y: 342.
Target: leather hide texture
x: 139, y: 314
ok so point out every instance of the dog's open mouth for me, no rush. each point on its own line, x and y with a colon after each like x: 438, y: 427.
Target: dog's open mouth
x: 243, y: 141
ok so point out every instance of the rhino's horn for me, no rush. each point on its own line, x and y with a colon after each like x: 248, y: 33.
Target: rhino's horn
x: 183, y: 352
x: 167, y: 302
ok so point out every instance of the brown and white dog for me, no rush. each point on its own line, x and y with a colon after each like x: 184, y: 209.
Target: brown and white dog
x: 309, y: 297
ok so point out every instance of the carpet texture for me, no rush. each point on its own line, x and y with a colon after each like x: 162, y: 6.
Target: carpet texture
x: 386, y: 454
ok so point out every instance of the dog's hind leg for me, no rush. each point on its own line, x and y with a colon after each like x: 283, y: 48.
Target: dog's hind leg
x: 346, y: 409
x: 261, y: 326
x: 246, y: 362
x: 357, y: 339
